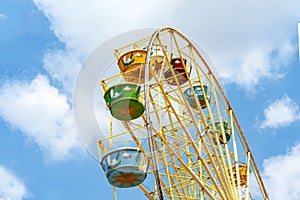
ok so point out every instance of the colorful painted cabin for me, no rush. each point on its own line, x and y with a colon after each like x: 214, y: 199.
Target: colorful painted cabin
x: 124, y: 167
x: 243, y: 175
x: 132, y: 65
x: 199, y: 94
x: 219, y: 132
x: 157, y: 57
x: 179, y: 71
x: 123, y: 101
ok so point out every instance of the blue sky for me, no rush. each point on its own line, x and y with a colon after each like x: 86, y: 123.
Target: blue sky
x: 43, y: 44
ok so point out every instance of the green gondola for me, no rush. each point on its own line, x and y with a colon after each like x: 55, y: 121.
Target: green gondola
x: 123, y: 101
x: 219, y: 132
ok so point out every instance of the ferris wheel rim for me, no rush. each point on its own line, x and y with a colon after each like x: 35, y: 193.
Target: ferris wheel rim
x: 213, y: 72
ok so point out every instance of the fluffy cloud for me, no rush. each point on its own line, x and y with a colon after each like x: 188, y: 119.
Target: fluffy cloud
x: 62, y: 66
x: 83, y: 25
x: 281, y: 112
x: 249, y: 41
x: 42, y: 113
x: 282, y: 175
x: 10, y: 186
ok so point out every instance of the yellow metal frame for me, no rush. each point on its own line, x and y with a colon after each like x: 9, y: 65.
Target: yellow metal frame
x: 191, y: 165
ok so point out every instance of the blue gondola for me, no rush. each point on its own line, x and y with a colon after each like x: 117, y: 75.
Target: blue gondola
x: 199, y: 94
x: 124, y: 167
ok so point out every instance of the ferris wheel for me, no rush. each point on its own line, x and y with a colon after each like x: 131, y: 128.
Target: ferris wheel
x: 164, y: 124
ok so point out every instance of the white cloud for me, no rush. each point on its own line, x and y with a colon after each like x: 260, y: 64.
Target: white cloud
x: 62, y: 66
x: 2, y: 16
x: 282, y: 175
x: 249, y: 41
x: 11, y: 187
x: 42, y: 113
x: 83, y: 25
x: 281, y: 112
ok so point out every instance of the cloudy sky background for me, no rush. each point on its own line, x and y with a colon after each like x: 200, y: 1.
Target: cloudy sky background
x: 43, y: 43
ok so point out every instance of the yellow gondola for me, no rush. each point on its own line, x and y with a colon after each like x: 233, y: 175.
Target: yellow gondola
x: 132, y: 65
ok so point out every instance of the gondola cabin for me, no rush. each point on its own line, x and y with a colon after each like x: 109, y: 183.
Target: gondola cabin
x: 123, y: 101
x: 179, y: 68
x: 199, y: 92
x: 132, y: 65
x: 157, y: 57
x: 243, y: 175
x: 219, y: 133
x: 124, y: 167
